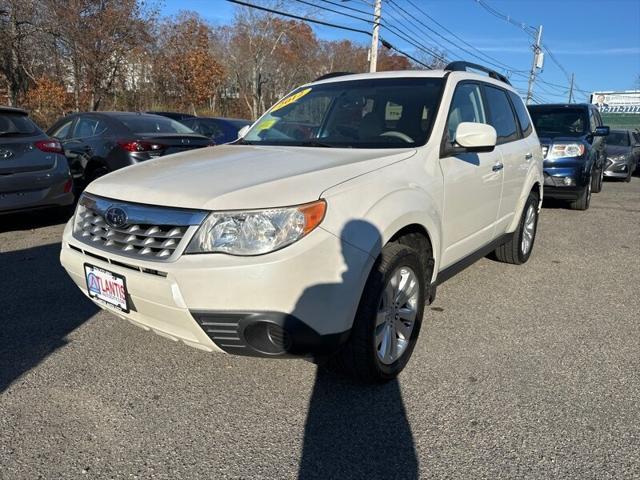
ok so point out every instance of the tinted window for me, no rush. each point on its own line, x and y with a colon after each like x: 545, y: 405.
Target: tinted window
x: 376, y: 113
x: 559, y: 121
x: 522, y: 114
x: 89, y: 127
x: 620, y: 139
x: 62, y: 131
x: 14, y: 124
x: 592, y: 121
x: 208, y: 128
x: 501, y: 115
x: 152, y: 124
x: 466, y: 106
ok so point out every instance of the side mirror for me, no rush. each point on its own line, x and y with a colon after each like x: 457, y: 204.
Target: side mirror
x: 476, y: 137
x: 601, y: 131
x: 243, y: 131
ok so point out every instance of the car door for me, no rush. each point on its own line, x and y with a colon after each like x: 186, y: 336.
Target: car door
x: 514, y: 149
x: 81, y: 146
x: 599, y: 143
x: 472, y: 181
x: 62, y: 131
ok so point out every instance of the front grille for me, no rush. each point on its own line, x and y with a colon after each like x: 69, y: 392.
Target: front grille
x: 152, y: 233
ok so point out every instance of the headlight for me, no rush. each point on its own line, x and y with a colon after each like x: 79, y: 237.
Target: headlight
x: 617, y: 158
x: 255, y: 232
x: 560, y: 150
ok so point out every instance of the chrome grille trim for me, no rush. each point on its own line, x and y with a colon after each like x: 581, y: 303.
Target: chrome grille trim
x: 150, y: 233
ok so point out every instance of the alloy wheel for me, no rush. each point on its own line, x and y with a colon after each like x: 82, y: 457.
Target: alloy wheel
x: 529, y: 230
x: 396, y: 315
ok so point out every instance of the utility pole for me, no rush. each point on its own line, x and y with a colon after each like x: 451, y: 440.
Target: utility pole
x: 571, y: 87
x: 537, y: 63
x: 373, y: 54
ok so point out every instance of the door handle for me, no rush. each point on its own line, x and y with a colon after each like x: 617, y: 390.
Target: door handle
x: 497, y: 167
x: 528, y: 156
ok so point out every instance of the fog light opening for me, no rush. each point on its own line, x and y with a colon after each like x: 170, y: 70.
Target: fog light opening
x: 267, y: 337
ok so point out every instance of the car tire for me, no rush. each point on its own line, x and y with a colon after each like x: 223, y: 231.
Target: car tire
x: 628, y: 177
x: 382, y: 338
x: 584, y: 200
x: 518, y: 248
x: 596, y: 182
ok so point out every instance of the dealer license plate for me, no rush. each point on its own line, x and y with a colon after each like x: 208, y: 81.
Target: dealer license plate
x: 107, y: 287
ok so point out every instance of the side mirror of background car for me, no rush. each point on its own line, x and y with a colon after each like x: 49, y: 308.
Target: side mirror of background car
x: 476, y: 137
x: 243, y: 131
x: 601, y: 131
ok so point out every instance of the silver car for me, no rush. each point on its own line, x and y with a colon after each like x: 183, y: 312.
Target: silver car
x: 34, y: 173
x: 623, y: 154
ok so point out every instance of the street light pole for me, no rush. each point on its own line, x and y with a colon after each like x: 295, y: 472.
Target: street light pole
x: 373, y: 54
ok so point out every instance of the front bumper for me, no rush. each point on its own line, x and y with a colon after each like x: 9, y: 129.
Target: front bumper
x: 617, y: 169
x: 554, y: 186
x: 300, y: 300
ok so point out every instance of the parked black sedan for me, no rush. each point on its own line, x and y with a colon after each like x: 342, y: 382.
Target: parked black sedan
x: 33, y: 170
x: 97, y: 143
x: 220, y: 130
x: 623, y: 154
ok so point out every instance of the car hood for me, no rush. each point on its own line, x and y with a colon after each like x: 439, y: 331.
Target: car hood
x: 615, y: 150
x: 550, y: 140
x: 242, y: 176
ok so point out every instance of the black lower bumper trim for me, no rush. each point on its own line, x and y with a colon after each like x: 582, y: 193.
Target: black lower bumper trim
x: 266, y: 334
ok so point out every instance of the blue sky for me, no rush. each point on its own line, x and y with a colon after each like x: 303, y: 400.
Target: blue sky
x: 597, y: 40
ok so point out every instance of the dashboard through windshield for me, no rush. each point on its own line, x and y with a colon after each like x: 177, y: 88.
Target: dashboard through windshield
x: 378, y: 113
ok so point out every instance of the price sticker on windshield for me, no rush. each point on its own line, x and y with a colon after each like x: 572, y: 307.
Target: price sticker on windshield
x: 290, y: 99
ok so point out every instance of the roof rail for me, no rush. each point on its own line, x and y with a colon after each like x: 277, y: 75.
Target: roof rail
x: 465, y: 66
x: 332, y: 75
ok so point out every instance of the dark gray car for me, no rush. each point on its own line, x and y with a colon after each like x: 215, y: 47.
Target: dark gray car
x: 623, y: 154
x: 34, y: 172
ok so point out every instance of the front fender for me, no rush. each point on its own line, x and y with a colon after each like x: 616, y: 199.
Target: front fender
x: 370, y: 227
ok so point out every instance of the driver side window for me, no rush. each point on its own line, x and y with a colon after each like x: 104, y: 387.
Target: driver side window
x: 466, y: 106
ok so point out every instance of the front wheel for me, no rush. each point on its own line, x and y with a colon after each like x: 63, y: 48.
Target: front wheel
x: 388, y: 319
x: 597, y: 180
x: 517, y: 249
x: 584, y: 200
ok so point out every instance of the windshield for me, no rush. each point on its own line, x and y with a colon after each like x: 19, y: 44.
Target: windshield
x: 15, y: 124
x: 141, y: 124
x: 620, y: 139
x: 380, y: 113
x: 559, y: 122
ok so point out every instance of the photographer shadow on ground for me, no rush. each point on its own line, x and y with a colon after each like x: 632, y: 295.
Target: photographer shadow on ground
x: 354, y: 430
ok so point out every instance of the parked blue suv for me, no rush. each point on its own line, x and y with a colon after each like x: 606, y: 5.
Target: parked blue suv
x: 573, y: 145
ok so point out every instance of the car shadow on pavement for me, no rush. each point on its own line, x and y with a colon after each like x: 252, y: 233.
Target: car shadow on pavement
x: 353, y: 430
x: 39, y: 307
x: 34, y: 219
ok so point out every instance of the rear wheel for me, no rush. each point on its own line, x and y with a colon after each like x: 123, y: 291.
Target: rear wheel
x: 583, y: 202
x: 388, y: 319
x: 517, y: 249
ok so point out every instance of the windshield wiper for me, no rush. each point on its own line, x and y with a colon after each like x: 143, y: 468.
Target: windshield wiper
x: 315, y: 144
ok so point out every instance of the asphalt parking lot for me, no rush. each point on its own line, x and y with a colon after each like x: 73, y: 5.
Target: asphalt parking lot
x: 520, y: 372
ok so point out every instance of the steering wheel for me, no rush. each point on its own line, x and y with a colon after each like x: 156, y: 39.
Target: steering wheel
x: 396, y: 134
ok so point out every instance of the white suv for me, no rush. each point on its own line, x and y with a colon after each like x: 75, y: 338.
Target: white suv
x: 325, y: 229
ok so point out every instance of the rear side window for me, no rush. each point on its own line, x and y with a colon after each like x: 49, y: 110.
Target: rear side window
x: 466, y: 106
x: 15, y: 125
x: 62, y: 131
x: 501, y: 115
x: 89, y: 127
x: 522, y: 114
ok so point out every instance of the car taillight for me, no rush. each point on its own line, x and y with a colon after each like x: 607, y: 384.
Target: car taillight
x: 140, y: 146
x: 50, y: 145
x: 68, y: 186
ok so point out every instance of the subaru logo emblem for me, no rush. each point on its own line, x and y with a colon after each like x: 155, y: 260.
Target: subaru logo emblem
x: 4, y: 153
x: 116, y: 217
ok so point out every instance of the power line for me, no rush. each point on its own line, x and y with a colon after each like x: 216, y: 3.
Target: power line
x: 335, y: 11
x: 508, y: 67
x: 508, y: 18
x: 346, y: 7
